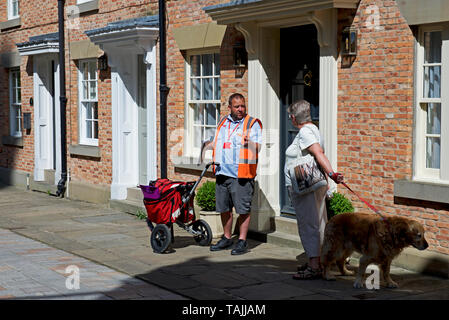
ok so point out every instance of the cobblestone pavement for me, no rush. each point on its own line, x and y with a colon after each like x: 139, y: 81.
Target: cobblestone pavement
x: 32, y: 270
x: 92, y: 234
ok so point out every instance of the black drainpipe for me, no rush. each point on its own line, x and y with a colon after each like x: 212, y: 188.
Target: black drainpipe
x: 163, y: 89
x: 63, y: 100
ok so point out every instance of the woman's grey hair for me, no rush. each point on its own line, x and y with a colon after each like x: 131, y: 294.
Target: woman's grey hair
x: 301, y: 110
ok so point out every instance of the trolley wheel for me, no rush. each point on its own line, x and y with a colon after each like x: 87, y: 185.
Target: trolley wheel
x: 160, y: 238
x: 205, y: 238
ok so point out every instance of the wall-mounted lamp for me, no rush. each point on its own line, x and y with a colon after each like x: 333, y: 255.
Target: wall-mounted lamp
x: 349, y: 38
x: 240, y: 59
x: 103, y: 62
x: 348, y: 46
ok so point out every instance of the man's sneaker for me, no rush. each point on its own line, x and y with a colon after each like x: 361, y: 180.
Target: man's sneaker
x: 223, y: 244
x: 240, y: 248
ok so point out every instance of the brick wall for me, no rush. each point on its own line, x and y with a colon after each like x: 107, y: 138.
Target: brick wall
x: 186, y: 13
x: 375, y: 119
x: 40, y: 17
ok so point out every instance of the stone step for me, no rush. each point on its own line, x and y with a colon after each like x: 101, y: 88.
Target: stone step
x: 286, y: 225
x: 134, y: 194
x: 284, y: 240
x: 49, y: 176
x: 42, y: 186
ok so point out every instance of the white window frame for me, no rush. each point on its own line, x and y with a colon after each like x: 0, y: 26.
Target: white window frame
x: 421, y: 173
x: 83, y: 139
x: 15, y: 107
x: 11, y: 14
x: 190, y: 150
x: 82, y: 1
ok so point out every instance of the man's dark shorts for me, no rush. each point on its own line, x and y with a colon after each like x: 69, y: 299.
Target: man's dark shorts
x: 234, y: 192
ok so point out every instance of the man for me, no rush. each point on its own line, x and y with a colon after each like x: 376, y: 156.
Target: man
x: 235, y: 147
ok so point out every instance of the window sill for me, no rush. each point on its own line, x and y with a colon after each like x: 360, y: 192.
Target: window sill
x: 88, y: 6
x: 419, y: 190
x: 12, y: 141
x: 13, y: 23
x: 189, y: 165
x: 85, y: 151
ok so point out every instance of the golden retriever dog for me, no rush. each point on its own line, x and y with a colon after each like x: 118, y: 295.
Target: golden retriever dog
x: 378, y: 241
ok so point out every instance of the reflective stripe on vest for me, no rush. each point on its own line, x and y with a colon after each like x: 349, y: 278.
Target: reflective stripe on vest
x: 248, y: 157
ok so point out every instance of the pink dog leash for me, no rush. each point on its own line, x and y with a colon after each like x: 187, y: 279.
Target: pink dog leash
x: 366, y: 202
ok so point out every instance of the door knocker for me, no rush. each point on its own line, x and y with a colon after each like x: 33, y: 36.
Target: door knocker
x: 308, y: 79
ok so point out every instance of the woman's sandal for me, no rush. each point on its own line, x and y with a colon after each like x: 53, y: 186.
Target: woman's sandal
x: 308, y: 274
x: 302, y: 267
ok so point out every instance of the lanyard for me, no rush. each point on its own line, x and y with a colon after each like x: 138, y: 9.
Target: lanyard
x: 229, y: 130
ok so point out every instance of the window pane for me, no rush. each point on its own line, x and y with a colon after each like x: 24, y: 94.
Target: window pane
x: 85, y: 90
x: 207, y: 89
x: 217, y: 89
x: 195, y: 66
x: 432, y: 80
x: 85, y: 70
x: 217, y: 64
x: 210, y: 132
x: 88, y: 111
x: 15, y: 6
x: 19, y: 95
x: 197, y: 138
x: 18, y: 125
x: 207, y: 64
x: 195, y: 89
x: 93, y: 90
x: 198, y: 117
x: 89, y: 129
x: 92, y: 71
x: 95, y: 107
x: 95, y: 123
x: 211, y: 114
x: 433, y: 118
x: 433, y: 153
x: 432, y: 47
x: 14, y: 96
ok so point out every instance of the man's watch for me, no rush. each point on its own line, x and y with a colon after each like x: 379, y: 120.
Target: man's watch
x: 330, y: 174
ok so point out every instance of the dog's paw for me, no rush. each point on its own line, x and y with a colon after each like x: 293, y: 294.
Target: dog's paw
x: 392, y: 285
x: 347, y: 272
x: 358, y: 284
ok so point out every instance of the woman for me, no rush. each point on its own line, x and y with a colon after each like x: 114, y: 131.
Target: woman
x: 310, y: 208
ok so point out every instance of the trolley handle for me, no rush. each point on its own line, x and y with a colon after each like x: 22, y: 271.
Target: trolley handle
x: 206, y: 167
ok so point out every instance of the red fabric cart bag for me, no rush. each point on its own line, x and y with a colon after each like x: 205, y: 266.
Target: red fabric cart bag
x: 168, y: 208
x: 164, y: 210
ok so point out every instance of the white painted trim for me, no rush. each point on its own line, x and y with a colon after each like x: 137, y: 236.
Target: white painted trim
x: 50, y: 47
x: 81, y: 110
x: 420, y: 172
x: 53, y: 152
x: 123, y: 48
x: 10, y: 15
x: 12, y: 109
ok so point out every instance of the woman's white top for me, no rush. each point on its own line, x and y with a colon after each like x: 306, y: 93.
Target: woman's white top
x: 307, y: 135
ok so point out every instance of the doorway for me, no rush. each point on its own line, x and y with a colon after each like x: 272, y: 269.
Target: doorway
x: 46, y: 115
x: 299, y: 79
x: 142, y: 116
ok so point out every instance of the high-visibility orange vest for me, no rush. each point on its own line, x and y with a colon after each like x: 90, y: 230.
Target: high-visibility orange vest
x: 248, y: 157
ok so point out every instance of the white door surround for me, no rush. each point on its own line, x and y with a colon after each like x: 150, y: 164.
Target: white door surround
x: 47, y: 135
x: 44, y: 50
x: 262, y: 41
x: 122, y: 49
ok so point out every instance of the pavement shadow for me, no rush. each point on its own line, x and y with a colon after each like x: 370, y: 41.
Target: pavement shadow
x: 222, y: 277
x: 186, y: 241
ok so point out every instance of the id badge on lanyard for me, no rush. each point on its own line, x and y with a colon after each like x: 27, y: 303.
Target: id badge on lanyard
x: 227, y: 143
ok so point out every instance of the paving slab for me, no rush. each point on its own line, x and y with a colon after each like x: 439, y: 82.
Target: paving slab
x: 119, y: 244
x: 37, y: 271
